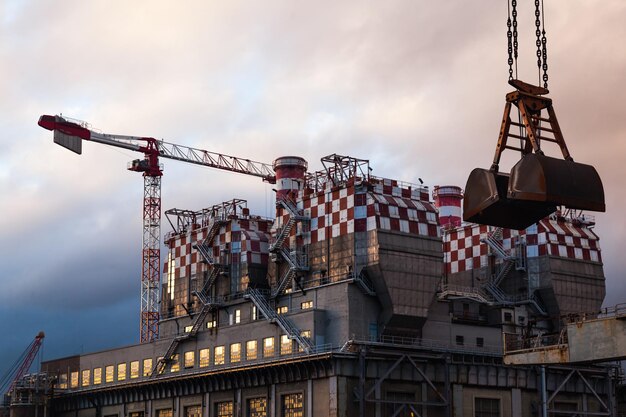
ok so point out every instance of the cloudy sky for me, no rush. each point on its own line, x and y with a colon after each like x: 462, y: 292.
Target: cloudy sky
x: 415, y: 86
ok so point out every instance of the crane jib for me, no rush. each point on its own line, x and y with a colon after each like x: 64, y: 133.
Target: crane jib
x: 69, y: 128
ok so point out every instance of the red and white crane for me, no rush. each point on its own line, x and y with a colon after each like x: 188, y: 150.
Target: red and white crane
x: 22, y: 365
x: 70, y: 134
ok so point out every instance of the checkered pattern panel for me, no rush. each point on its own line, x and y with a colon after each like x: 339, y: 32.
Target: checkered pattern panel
x: 569, y: 240
x: 463, y: 249
x: 245, y: 240
x: 350, y: 208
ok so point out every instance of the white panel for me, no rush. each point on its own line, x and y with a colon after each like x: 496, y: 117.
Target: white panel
x: 371, y: 223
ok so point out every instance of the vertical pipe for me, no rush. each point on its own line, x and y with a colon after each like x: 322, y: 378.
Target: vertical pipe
x: 544, y: 393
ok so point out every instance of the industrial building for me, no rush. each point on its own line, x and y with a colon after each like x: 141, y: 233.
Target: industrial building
x: 365, y: 296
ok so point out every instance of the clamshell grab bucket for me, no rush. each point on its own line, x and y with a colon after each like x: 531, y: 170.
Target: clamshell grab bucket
x: 537, y: 183
x: 541, y: 178
x: 486, y: 202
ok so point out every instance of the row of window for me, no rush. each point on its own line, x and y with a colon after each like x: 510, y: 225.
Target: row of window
x: 235, y: 318
x: 236, y: 354
x: 292, y: 405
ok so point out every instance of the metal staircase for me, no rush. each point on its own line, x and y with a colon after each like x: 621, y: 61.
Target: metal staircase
x: 296, y: 259
x: 493, y: 240
x: 283, y: 234
x: 262, y: 304
x: 363, y: 282
x: 471, y: 293
x: 206, y: 246
x: 204, y: 295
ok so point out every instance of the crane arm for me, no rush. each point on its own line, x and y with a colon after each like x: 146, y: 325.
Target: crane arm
x: 215, y: 160
x: 66, y: 130
x: 31, y: 353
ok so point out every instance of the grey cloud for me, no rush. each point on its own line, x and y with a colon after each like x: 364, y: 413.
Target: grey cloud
x: 417, y: 87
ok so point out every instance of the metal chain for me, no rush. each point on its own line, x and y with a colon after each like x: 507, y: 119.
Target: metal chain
x: 509, y: 36
x: 514, y: 13
x: 544, y: 49
x: 538, y: 33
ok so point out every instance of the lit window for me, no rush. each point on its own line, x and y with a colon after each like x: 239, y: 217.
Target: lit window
x: 134, y: 369
x: 293, y: 405
x: 255, y: 313
x: 211, y: 324
x: 147, y: 367
x: 161, y: 367
x: 235, y: 352
x: 86, y: 378
x: 218, y: 357
x: 74, y: 380
x: 224, y: 409
x: 97, y: 376
x: 204, y: 357
x: 63, y: 381
x: 175, y: 367
x: 305, y: 334
x: 286, y: 345
x: 188, y: 328
x: 268, y: 347
x: 306, y: 305
x: 282, y: 309
x: 251, y: 352
x: 190, y: 359
x: 165, y: 413
x: 237, y: 316
x: 121, y: 371
x: 193, y: 411
x: 109, y: 373
x: 486, y: 407
x: 257, y: 407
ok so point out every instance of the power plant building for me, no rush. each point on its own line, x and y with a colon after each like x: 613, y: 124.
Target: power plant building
x: 364, y: 296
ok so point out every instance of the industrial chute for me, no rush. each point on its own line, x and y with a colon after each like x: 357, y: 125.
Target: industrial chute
x: 537, y: 184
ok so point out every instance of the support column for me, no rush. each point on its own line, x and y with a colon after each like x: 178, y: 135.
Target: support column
x: 544, y: 393
x: 272, y: 400
x: 362, y: 382
x: 516, y: 402
x: 424, y: 397
x: 177, y: 412
x: 457, y: 400
x: 309, y: 398
x: 206, y: 405
x: 237, y: 403
x: 378, y: 396
x: 332, y: 396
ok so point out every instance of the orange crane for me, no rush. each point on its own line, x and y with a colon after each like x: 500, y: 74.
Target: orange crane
x: 71, y: 133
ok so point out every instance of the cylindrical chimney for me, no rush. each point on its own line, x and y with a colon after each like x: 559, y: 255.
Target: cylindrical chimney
x: 448, y: 200
x: 290, y: 171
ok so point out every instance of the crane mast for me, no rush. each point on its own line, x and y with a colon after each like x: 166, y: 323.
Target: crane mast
x: 70, y: 134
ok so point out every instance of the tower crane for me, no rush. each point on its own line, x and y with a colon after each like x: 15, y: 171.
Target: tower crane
x: 70, y: 134
x: 22, y: 365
